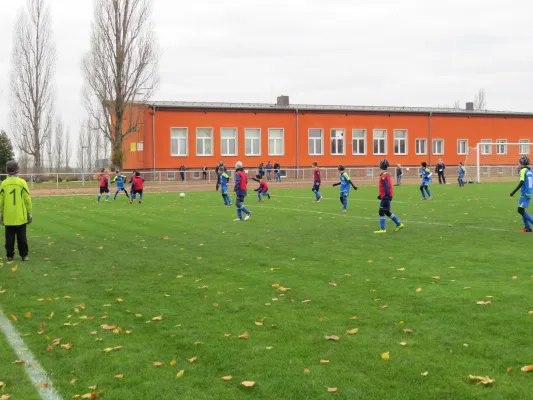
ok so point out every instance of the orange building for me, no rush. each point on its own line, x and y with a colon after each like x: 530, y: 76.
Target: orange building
x: 194, y: 134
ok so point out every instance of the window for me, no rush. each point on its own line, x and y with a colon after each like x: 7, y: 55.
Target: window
x: 524, y: 146
x: 462, y: 147
x: 178, y: 142
x: 358, y: 142
x: 400, y: 141
x: 316, y: 137
x: 501, y: 146
x: 486, y: 149
x: 228, y: 139
x: 204, y: 141
x: 438, y: 146
x: 337, y: 142
x: 275, y: 142
x: 171, y: 176
x: 380, y: 141
x: 421, y: 147
x: 140, y: 146
x: 252, y: 142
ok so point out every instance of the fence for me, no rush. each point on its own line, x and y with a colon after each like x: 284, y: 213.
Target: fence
x: 170, y: 178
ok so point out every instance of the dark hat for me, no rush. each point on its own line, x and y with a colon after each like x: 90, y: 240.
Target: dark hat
x: 12, y: 167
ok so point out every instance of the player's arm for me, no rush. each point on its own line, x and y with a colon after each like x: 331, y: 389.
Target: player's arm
x: 318, y: 178
x: 336, y: 184
x: 522, y: 179
x: 26, y: 198
x: 351, y: 183
x: 386, y: 186
x: 237, y: 182
x: 255, y: 179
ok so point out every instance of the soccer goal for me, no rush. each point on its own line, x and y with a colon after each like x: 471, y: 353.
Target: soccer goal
x: 494, y: 161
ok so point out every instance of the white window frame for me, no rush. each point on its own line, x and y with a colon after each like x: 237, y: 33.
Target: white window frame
x: 204, y: 141
x: 272, y: 153
x: 337, y: 141
x: 222, y: 139
x: 171, y: 176
x: 405, y: 139
x: 186, y: 142
x: 459, y: 152
x: 246, y: 132
x: 355, y: 146
x: 315, y: 140
x: 435, y: 153
x: 140, y: 146
x: 486, y: 150
x: 374, y: 131
x: 527, y: 146
x: 419, y: 153
x: 503, y: 143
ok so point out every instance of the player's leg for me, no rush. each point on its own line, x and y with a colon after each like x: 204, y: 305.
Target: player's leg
x: 140, y: 196
x: 22, y: 241
x: 107, y: 194
x: 422, y: 191
x: 267, y: 194
x: 10, y: 242
x: 345, y: 202
x: 99, y: 196
x: 426, y: 187
x: 126, y: 192
x: 443, y: 178
x: 382, y: 219
x: 259, y: 195
x: 527, y: 225
x: 116, y: 194
x: 244, y: 209
x: 238, y: 204
x: 132, y: 199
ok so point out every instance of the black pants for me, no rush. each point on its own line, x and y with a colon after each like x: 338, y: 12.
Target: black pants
x: 20, y: 232
x: 204, y: 175
x: 442, y: 179
x: 182, y: 176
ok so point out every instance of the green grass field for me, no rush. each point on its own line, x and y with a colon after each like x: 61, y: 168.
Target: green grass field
x: 210, y: 280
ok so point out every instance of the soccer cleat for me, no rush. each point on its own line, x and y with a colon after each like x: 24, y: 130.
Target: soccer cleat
x: 344, y: 210
x: 525, y: 230
x: 108, y: 201
x: 9, y: 259
x: 131, y: 201
x: 269, y: 197
x: 140, y: 201
x: 237, y: 219
x: 399, y: 227
x: 25, y: 258
x: 380, y: 231
x: 423, y: 198
x: 430, y: 198
x: 247, y: 217
x: 261, y: 201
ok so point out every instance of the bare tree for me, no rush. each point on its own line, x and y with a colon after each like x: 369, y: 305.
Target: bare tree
x: 68, y: 150
x: 24, y: 163
x: 31, y: 109
x: 97, y: 139
x: 49, y: 154
x: 82, y: 145
x: 59, y: 143
x: 457, y: 104
x: 120, y: 69
x: 89, y: 147
x: 480, y: 101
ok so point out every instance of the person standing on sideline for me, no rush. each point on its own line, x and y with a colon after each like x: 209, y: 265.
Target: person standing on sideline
x: 269, y: 170
x: 182, y: 172
x: 204, y: 172
x: 399, y: 173
x: 262, y: 170
x: 15, y: 211
x: 440, y: 171
x: 277, y: 172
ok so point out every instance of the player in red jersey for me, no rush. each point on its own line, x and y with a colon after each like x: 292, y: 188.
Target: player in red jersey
x: 386, y: 192
x: 137, y: 186
x: 262, y: 190
x: 104, y: 186
x: 317, y: 180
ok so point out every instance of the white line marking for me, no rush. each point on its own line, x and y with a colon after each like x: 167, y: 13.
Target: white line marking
x: 35, y: 372
x: 376, y: 219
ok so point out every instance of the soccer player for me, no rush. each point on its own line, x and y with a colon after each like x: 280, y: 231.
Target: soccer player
x: 526, y: 186
x: 461, y: 172
x: 317, y: 180
x: 345, y: 184
x: 104, y: 186
x: 224, y: 179
x: 399, y: 173
x: 262, y: 190
x: 137, y: 186
x: 15, y: 211
x: 120, y: 180
x: 277, y: 171
x: 386, y: 192
x: 426, y: 180
x: 240, y: 189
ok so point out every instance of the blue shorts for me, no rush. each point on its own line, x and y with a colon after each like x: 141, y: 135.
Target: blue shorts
x: 385, y: 205
x: 523, y: 202
x: 426, y: 183
x: 224, y: 190
x: 121, y: 188
x: 345, y: 193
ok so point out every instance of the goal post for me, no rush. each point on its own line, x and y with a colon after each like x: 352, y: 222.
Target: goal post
x: 496, y: 160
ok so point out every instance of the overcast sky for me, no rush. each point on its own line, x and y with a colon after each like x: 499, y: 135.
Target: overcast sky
x: 357, y: 52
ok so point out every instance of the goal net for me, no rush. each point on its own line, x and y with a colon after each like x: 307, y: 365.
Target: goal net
x: 495, y: 161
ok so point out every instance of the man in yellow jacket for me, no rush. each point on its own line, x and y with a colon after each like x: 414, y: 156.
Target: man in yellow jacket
x: 15, y: 211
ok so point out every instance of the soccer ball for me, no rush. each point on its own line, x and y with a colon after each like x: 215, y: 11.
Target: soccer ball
x: 182, y: 195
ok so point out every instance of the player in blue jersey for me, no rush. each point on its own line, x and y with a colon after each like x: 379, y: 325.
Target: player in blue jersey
x: 426, y: 180
x: 526, y: 187
x: 461, y: 172
x: 345, y: 183
x: 224, y: 179
x: 120, y: 180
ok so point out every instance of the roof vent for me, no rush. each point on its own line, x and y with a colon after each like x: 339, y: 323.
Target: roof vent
x: 283, y: 101
x: 470, y: 106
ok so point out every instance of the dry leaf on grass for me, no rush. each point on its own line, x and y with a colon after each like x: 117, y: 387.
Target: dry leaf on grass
x: 173, y: 362
x: 157, y: 363
x: 385, y: 356
x: 5, y: 397
x: 227, y: 378
x: 19, y: 362
x: 403, y: 343
x: 509, y: 369
x: 307, y: 371
x: 483, y: 303
x: 90, y: 396
x: 73, y: 381
x: 276, y: 285
x: 334, y: 338
x: 259, y: 323
x: 324, y: 361
x: 245, y: 335
x: 384, y: 306
x: 424, y: 373
x: 158, y: 318
x: 332, y: 284
x: 352, y: 331
x: 333, y: 390
x: 192, y: 360
x: 306, y: 301
x: 418, y: 290
x: 248, y: 384
x: 119, y: 376
x: 484, y: 380
x: 180, y: 373
x: 106, y: 327
x: 408, y: 330
x: 527, y: 368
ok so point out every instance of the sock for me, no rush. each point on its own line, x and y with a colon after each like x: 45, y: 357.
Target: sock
x: 132, y: 197
x: 141, y: 197
x: 428, y: 192
x: 115, y: 196
x: 527, y: 220
x: 382, y: 223
x: 98, y: 198
x: 345, y: 202
x: 127, y: 195
x: 245, y: 210
x: 259, y: 196
x: 423, y: 194
x: 395, y: 219
x: 228, y: 199
x: 107, y: 196
x: 239, y: 212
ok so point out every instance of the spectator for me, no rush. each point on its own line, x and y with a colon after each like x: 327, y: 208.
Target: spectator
x: 269, y: 170
x: 399, y: 173
x: 182, y: 172
x: 204, y: 172
x: 439, y: 170
x: 262, y: 170
x: 277, y: 171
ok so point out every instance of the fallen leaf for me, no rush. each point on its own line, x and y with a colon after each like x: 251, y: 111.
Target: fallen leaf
x: 19, y: 362
x: 93, y: 333
x: 400, y: 269
x: 485, y: 380
x: 192, y: 360
x: 119, y: 300
x: 108, y: 327
x: 515, y: 277
x: 352, y: 331
x: 73, y: 381
x: 384, y: 306
x: 15, y: 268
x: 333, y: 390
x: 509, y: 369
x: 5, y: 397
x: 385, y: 356
x: 530, y: 312
x: 332, y: 284
x: 119, y: 376
x: 436, y: 277
x: 248, y: 384
x: 334, y: 338
x: 259, y: 323
x: 245, y: 335
x: 13, y: 317
x: 180, y: 373
x: 157, y: 364
x: 352, y: 318
x: 418, y: 290
x: 403, y: 343
x: 66, y: 346
x: 408, y: 331
x: 90, y: 396
x: 159, y: 318
x: 527, y: 368
x: 483, y: 303
x: 307, y: 371
x: 324, y: 361
x: 424, y: 373
x: 2, y: 291
x: 227, y: 378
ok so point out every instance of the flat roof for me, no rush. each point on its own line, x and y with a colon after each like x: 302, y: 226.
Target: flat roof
x: 328, y: 108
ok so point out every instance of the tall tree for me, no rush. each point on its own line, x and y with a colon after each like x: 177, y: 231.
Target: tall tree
x: 6, y: 151
x: 59, y: 143
x: 32, y: 72
x: 68, y: 150
x: 119, y: 69
x: 480, y: 101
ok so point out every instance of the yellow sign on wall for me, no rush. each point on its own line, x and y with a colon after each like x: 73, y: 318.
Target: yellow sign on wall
x: 133, y: 146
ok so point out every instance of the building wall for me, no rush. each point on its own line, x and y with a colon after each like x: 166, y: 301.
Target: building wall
x: 449, y: 128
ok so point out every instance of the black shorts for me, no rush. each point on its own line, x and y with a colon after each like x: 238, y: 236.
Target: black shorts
x: 104, y: 189
x: 137, y: 191
x: 385, y: 205
x: 316, y: 186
